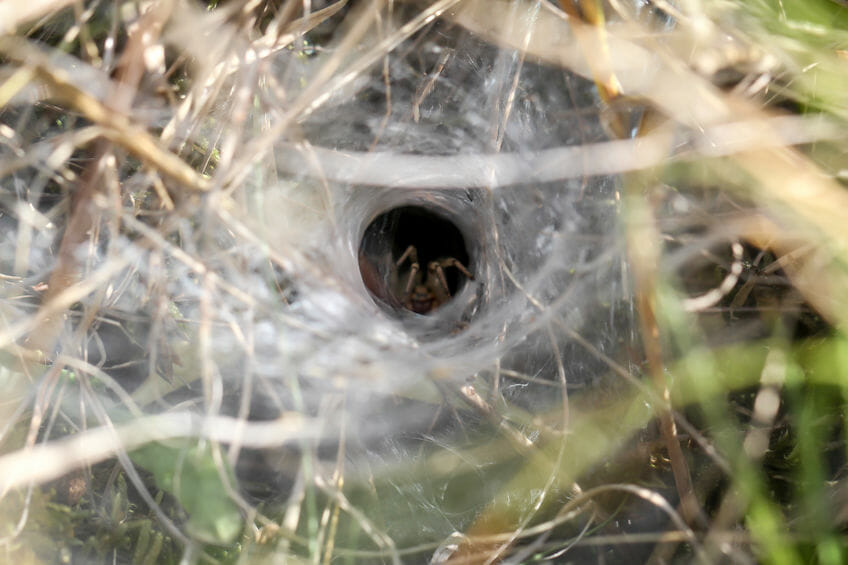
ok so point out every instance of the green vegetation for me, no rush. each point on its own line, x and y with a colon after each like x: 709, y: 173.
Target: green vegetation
x: 707, y: 423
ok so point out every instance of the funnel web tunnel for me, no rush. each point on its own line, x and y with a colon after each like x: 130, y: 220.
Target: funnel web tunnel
x: 425, y: 254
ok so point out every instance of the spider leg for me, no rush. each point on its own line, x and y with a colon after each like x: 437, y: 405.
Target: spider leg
x: 413, y: 270
x: 451, y: 262
x: 436, y: 267
x: 412, y: 254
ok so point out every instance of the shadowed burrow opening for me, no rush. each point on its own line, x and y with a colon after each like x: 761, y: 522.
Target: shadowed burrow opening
x: 389, y: 247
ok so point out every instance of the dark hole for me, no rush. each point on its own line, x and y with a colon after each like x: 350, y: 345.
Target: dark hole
x: 388, y: 237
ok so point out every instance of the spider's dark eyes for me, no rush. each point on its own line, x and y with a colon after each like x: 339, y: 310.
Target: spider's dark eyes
x: 390, y: 234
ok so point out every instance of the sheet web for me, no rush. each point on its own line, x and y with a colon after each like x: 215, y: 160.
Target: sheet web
x: 215, y: 343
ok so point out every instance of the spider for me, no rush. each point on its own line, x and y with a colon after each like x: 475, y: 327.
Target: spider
x: 426, y: 291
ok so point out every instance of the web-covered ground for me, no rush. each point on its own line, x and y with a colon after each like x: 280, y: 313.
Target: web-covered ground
x: 217, y: 345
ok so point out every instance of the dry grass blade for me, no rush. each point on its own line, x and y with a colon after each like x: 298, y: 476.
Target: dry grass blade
x: 446, y: 281
x: 50, y: 461
x: 15, y: 13
x: 116, y: 126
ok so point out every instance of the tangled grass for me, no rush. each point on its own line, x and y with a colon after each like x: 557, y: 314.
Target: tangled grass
x: 206, y: 348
